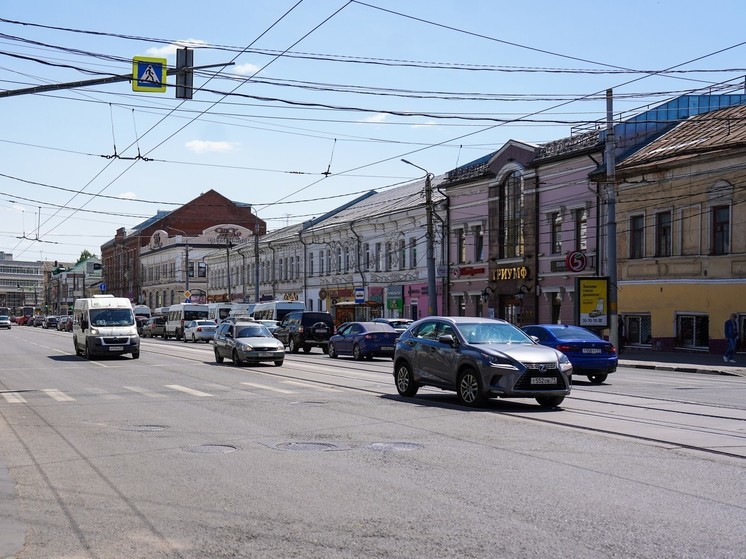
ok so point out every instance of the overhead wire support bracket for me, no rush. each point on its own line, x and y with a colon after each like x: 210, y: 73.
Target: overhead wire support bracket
x: 97, y: 81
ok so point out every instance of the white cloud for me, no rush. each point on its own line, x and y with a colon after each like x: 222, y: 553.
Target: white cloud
x: 245, y: 69
x: 128, y: 195
x: 380, y: 117
x: 206, y: 146
x: 170, y: 50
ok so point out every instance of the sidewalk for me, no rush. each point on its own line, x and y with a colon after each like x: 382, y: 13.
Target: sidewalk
x: 703, y: 363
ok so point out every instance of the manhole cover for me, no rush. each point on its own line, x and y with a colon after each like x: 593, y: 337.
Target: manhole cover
x: 394, y: 446
x: 211, y: 448
x: 306, y: 446
x: 144, y: 428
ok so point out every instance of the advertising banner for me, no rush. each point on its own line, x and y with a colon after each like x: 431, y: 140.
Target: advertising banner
x: 593, y: 301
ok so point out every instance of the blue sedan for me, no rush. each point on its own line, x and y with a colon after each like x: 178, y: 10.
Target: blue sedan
x: 363, y: 340
x: 590, y: 355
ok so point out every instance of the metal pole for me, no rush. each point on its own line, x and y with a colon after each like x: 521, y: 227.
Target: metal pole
x: 432, y: 292
x: 611, y: 219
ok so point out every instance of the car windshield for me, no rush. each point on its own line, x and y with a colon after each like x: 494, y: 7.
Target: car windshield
x: 112, y: 317
x: 493, y: 333
x: 253, y: 331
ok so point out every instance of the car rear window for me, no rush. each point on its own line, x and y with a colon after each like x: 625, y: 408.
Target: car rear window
x: 574, y: 334
x: 311, y: 318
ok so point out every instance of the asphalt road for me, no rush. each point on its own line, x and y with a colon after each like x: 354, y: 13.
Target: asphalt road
x: 173, y: 455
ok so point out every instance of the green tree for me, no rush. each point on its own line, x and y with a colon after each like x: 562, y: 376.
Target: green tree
x: 85, y: 255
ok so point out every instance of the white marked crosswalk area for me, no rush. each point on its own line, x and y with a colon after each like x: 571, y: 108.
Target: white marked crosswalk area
x: 207, y: 390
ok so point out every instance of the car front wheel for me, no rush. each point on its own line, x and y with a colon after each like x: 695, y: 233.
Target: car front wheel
x: 331, y: 351
x: 597, y: 379
x: 405, y: 384
x: 236, y: 359
x: 356, y: 353
x: 292, y: 346
x: 549, y: 401
x: 218, y: 357
x: 469, y: 388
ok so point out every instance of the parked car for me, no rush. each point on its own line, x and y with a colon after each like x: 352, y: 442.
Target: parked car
x: 141, y: 321
x: 50, y: 322
x: 589, y: 354
x: 479, y: 358
x: 363, y: 340
x: 399, y: 324
x: 62, y: 323
x: 247, y: 342
x: 38, y: 320
x: 305, y: 329
x: 200, y: 330
x: 155, y: 326
x: 5, y: 321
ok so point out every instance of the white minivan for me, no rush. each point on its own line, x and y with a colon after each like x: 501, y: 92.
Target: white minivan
x: 105, y: 325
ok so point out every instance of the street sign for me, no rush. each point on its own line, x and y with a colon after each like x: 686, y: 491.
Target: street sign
x: 359, y: 294
x: 102, y: 286
x: 149, y: 74
x: 187, y: 294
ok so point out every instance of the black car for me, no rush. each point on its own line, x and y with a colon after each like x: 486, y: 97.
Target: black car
x: 305, y: 329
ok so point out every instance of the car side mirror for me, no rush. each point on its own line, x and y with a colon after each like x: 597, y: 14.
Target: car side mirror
x: 535, y: 338
x: 447, y: 339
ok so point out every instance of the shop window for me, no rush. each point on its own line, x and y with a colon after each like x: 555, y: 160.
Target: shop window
x: 638, y: 329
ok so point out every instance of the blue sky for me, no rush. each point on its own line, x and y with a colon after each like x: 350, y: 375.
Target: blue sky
x: 347, y: 88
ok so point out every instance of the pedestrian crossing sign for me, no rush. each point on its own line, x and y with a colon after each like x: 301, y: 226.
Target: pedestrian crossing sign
x: 149, y: 74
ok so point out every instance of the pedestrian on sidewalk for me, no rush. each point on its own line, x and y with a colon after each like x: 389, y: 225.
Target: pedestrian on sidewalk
x: 621, y: 335
x: 731, y: 336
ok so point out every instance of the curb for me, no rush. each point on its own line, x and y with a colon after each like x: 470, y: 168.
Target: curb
x: 682, y: 369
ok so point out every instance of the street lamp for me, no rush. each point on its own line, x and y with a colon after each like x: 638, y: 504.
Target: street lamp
x: 186, y: 245
x: 432, y: 296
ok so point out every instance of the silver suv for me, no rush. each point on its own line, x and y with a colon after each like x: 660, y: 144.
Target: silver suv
x: 479, y: 358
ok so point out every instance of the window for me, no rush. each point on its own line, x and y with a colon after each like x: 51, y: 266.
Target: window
x: 555, y: 224
x: 581, y: 229
x: 478, y: 244
x: 510, y: 217
x: 637, y: 236
x: 638, y: 329
x: 201, y: 269
x: 402, y: 253
x: 310, y: 264
x: 412, y: 253
x: 389, y: 257
x: 720, y: 230
x: 321, y: 262
x: 347, y: 259
x: 460, y: 246
x: 663, y: 239
x: 366, y: 257
x: 339, y: 260
x: 692, y: 331
x: 328, y: 261
x: 378, y: 257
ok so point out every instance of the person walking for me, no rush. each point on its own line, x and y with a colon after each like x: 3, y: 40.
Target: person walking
x: 731, y: 336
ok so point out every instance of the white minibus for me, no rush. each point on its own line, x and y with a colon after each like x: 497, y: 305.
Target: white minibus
x: 105, y: 325
x: 178, y: 314
x: 276, y: 310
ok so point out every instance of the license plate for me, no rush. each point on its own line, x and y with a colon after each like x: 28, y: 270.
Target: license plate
x: 543, y: 380
x: 265, y: 354
x: 116, y: 348
x: 591, y: 350
x: 387, y: 348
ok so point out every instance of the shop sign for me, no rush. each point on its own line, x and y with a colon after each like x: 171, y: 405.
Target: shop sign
x: 514, y: 273
x: 468, y: 271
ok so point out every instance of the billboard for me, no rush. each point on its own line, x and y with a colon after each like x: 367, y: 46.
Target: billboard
x: 592, y: 294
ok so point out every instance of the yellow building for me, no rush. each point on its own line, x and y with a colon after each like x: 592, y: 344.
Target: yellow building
x: 681, y: 224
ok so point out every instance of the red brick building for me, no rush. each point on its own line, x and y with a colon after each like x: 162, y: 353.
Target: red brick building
x: 120, y: 256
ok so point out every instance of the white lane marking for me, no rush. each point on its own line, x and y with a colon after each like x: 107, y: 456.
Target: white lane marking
x: 309, y: 385
x: 58, y: 395
x: 186, y: 390
x: 265, y: 387
x: 103, y: 393
x: 145, y: 392
x: 14, y: 398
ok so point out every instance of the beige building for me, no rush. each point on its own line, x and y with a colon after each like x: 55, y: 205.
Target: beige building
x: 681, y: 246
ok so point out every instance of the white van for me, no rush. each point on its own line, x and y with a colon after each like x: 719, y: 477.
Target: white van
x: 276, y: 310
x: 219, y: 311
x: 183, y: 312
x: 105, y: 325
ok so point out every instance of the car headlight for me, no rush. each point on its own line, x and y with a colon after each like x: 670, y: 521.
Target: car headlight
x: 564, y: 363
x: 501, y: 362
x: 94, y: 331
x: 245, y: 348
